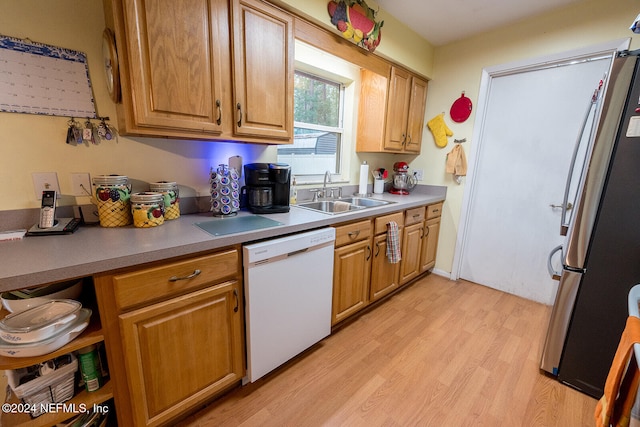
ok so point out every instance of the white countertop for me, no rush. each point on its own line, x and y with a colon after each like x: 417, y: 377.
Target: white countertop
x: 93, y: 249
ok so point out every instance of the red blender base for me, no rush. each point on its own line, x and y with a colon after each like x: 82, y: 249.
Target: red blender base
x: 398, y: 191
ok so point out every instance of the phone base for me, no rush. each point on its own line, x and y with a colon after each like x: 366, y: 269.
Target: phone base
x: 62, y: 226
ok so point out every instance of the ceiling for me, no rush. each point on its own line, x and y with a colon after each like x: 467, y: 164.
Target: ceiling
x: 445, y: 21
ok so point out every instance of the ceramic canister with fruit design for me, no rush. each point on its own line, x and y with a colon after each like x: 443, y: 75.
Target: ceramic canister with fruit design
x: 147, y: 209
x: 171, y: 197
x: 113, y: 194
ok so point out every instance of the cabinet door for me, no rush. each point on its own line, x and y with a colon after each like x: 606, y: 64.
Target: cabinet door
x: 411, y: 246
x: 430, y: 244
x: 174, y: 59
x: 351, y: 271
x: 384, y: 275
x: 181, y: 351
x: 398, y: 109
x: 415, y: 118
x: 263, y: 70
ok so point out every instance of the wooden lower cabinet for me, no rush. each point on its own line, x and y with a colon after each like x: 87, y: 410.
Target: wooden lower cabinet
x: 384, y: 275
x: 362, y: 272
x: 168, y: 356
x: 429, y: 244
x: 430, y: 237
x: 181, y: 351
x: 351, y: 270
x: 412, y: 244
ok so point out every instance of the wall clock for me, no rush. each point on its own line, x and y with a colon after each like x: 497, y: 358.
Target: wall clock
x: 110, y: 62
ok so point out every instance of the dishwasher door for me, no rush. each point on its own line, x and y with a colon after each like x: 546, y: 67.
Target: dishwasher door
x: 288, y: 285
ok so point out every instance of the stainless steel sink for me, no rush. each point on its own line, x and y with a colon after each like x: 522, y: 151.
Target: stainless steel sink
x: 365, y: 201
x: 329, y: 206
x: 338, y: 206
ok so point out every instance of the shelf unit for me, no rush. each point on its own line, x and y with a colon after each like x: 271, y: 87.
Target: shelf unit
x: 92, y: 335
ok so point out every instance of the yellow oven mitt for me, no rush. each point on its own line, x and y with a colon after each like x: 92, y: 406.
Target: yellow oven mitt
x: 440, y: 130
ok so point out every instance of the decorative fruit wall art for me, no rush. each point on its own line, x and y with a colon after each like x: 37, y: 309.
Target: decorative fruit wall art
x: 356, y: 21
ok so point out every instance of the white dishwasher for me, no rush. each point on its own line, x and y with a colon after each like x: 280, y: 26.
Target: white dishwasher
x: 288, y: 285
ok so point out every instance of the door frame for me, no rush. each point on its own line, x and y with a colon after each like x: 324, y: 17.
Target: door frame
x: 488, y: 74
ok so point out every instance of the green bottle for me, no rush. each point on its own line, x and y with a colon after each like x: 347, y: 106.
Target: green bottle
x: 90, y: 367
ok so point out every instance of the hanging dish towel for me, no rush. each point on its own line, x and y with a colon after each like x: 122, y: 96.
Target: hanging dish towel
x: 393, y: 243
x: 457, y: 161
x: 614, y: 408
x: 440, y: 130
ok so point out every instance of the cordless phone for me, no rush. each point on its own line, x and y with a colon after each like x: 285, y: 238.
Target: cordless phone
x: 48, y: 209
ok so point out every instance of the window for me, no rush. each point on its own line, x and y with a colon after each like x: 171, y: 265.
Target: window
x: 318, y: 126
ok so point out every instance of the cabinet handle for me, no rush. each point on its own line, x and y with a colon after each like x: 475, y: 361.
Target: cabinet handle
x: 416, y: 216
x: 191, y: 276
x: 426, y: 230
x: 218, y: 105
x: 404, y: 138
x: 354, y: 234
x: 377, y: 249
x: 239, y: 108
x: 235, y: 294
x: 409, y: 141
x: 368, y: 250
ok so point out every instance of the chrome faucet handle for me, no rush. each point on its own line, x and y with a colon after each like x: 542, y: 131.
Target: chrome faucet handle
x: 333, y: 190
x: 315, y: 192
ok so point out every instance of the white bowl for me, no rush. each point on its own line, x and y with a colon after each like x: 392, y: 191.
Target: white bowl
x: 14, y: 303
x: 49, y: 345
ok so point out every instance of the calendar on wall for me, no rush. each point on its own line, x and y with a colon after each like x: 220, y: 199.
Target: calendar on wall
x: 37, y: 78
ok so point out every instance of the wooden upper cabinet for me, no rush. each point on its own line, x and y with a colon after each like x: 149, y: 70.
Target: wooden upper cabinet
x: 263, y: 70
x: 174, y: 66
x: 398, y: 109
x: 415, y: 115
x: 391, y: 112
x: 204, y: 69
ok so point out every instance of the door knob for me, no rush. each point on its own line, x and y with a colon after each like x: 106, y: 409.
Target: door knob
x: 569, y: 206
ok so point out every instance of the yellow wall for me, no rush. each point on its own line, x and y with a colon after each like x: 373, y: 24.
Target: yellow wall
x: 458, y: 67
x: 30, y: 143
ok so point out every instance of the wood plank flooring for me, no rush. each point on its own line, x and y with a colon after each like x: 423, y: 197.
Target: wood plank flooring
x: 439, y: 353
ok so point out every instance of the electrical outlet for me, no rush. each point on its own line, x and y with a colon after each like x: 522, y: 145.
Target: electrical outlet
x: 43, y: 181
x: 419, y: 174
x: 81, y: 184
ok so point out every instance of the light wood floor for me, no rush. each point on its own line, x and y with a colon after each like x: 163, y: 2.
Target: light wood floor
x: 440, y: 353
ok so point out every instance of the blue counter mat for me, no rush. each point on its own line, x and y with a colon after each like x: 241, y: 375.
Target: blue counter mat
x: 236, y: 224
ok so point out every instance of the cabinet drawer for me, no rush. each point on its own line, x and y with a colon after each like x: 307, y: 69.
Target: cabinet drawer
x: 382, y: 221
x: 413, y: 216
x: 355, y: 232
x: 164, y: 281
x: 434, y: 211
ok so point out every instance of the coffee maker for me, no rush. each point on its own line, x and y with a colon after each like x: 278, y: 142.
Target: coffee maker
x: 266, y: 187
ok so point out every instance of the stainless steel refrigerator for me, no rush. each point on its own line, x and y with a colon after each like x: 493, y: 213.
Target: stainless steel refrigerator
x: 601, y: 253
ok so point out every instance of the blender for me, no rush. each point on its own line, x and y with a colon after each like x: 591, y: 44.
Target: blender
x: 403, y: 182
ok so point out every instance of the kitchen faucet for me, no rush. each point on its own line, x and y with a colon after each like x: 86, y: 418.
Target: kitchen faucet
x: 327, y: 178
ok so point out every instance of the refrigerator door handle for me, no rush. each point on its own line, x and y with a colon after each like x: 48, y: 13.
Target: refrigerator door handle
x: 565, y: 216
x: 555, y: 275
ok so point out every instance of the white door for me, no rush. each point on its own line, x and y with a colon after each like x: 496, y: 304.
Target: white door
x: 528, y: 130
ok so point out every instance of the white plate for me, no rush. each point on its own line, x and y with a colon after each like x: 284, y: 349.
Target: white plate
x: 52, y: 344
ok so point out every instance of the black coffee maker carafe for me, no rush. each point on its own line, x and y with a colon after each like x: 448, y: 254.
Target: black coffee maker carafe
x: 266, y: 187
